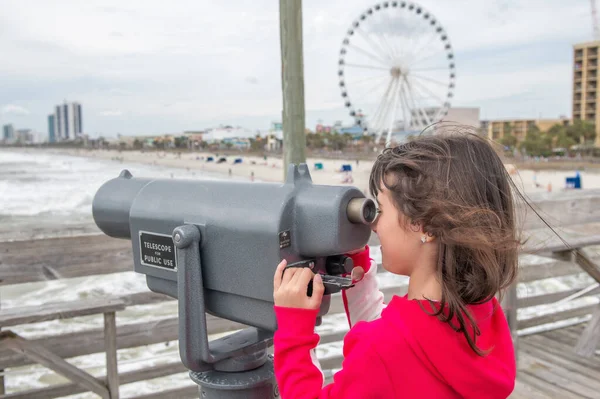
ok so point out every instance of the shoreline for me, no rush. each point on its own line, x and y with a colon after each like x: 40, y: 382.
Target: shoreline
x: 530, y: 177
x: 251, y: 167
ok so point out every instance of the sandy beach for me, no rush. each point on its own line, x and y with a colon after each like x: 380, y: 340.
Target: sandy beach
x: 271, y: 169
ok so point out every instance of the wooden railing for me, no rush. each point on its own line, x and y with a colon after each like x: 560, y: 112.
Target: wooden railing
x: 543, y: 258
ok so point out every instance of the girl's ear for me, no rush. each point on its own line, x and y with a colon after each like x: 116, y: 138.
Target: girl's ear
x: 415, y: 227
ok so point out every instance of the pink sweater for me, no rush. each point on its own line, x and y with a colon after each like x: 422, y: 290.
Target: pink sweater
x: 398, y: 351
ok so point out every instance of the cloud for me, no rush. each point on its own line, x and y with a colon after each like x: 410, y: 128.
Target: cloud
x: 15, y: 110
x: 219, y: 62
x: 111, y: 113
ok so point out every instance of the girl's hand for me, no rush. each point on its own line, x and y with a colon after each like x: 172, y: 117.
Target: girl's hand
x: 290, y: 288
x: 358, y: 272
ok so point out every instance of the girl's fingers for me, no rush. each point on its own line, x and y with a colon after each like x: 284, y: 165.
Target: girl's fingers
x: 279, y: 274
x: 357, y: 274
x: 288, y: 275
x: 318, y: 290
x: 304, y: 277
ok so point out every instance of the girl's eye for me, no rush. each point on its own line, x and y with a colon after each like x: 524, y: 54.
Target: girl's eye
x: 377, y: 213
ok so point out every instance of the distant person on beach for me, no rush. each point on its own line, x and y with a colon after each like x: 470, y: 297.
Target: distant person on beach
x: 446, y: 219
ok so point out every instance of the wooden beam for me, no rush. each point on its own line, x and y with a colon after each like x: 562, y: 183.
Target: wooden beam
x: 292, y: 82
x: 590, y: 338
x: 110, y: 346
x: 556, y: 316
x: 128, y: 336
x: 554, y: 244
x: 65, y: 257
x: 58, y: 310
x: 584, y: 259
x: 526, y: 301
x: 61, y: 390
x: 41, y: 355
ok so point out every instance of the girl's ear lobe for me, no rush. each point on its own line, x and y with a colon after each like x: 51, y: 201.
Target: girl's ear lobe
x: 427, y: 238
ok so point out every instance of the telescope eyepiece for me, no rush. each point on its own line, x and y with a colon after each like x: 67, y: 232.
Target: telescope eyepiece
x: 361, y: 210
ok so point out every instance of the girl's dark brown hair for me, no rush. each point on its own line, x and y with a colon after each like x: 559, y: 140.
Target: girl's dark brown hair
x: 456, y: 187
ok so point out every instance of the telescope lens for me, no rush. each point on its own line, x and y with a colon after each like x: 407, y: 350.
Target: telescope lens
x: 369, y: 212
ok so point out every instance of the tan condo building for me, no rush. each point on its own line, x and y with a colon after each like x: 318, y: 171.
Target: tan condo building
x: 585, y: 87
x: 496, y: 129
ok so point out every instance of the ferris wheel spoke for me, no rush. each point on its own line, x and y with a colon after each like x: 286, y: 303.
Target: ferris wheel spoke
x: 425, y: 57
x: 407, y: 110
x: 370, y: 55
x: 404, y: 106
x: 383, y: 103
x: 437, y: 109
x: 387, y: 105
x: 393, y: 118
x: 387, y: 45
x: 441, y: 68
x: 417, y: 50
x: 427, y: 90
x: 419, y: 109
x: 361, y: 81
x: 406, y: 22
x: 376, y: 47
x: 372, y: 89
x: 366, y: 66
x: 414, y: 75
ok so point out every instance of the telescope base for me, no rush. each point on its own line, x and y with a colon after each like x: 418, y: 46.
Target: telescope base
x: 258, y: 383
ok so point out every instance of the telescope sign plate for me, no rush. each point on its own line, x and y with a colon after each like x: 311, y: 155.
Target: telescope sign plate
x: 157, y: 250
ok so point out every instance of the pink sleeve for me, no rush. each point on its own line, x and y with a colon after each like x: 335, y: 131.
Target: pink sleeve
x: 299, y: 378
x: 364, y: 301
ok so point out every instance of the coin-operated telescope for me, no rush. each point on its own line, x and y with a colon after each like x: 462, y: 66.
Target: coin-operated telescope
x: 214, y: 245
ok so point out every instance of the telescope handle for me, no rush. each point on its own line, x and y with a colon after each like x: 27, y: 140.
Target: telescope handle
x: 196, y: 353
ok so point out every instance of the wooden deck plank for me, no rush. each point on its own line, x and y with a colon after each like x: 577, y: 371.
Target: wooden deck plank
x: 555, y: 375
x: 567, y: 336
x: 543, y: 386
x: 542, y: 354
x: 562, y: 350
x: 524, y: 391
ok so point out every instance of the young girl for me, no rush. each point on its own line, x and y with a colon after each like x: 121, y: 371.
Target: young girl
x: 446, y: 219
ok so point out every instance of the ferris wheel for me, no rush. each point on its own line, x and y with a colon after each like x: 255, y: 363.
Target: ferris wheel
x: 396, y: 69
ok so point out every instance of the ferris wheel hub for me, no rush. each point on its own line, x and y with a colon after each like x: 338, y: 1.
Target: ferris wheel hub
x: 396, y: 72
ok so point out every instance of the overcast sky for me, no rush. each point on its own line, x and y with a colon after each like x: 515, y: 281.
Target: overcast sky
x: 154, y: 66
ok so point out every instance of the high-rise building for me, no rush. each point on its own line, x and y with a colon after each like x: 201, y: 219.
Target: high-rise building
x: 51, y: 134
x: 8, y: 133
x: 585, y: 84
x: 68, y: 121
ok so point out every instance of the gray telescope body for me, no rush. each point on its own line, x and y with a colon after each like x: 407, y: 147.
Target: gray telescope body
x: 245, y: 229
